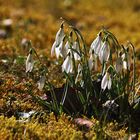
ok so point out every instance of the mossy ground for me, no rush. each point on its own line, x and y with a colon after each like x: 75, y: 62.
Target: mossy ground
x: 39, y: 21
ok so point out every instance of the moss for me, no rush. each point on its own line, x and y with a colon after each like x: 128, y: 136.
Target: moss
x: 37, y: 21
x: 62, y: 129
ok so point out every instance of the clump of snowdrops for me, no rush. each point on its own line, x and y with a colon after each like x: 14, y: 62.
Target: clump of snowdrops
x: 101, y: 77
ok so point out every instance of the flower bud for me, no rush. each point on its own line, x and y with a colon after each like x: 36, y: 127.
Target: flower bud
x: 67, y: 65
x: 104, y: 52
x: 29, y: 62
x: 106, y: 81
x: 41, y: 82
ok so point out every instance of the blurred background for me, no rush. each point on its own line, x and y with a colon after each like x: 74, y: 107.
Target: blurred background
x: 39, y: 21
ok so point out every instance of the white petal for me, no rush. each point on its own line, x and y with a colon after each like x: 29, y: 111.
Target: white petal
x: 58, y: 50
x: 59, y: 36
x: 104, y: 81
x: 107, y: 52
x: 41, y: 82
x: 29, y: 63
x: 126, y: 61
x: 29, y: 67
x: 67, y: 47
x: 71, y: 67
x: 76, y: 47
x: 123, y: 56
x: 53, y: 49
x: 101, y: 55
x: 104, y: 52
x: 124, y: 64
x: 66, y: 66
x: 61, y: 48
x: 96, y: 45
x: 109, y: 82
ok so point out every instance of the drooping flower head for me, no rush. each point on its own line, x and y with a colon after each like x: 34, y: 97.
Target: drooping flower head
x: 96, y: 45
x: 77, y: 51
x: 58, y: 39
x: 61, y: 50
x: 29, y: 62
x: 126, y: 60
x: 41, y: 82
x: 67, y: 65
x: 106, y: 81
x: 59, y: 35
x: 104, y: 53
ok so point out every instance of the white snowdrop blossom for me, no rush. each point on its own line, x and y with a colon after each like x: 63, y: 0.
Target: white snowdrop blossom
x: 59, y: 35
x: 41, y: 82
x: 64, y: 49
x: 53, y: 49
x: 67, y: 47
x: 76, y: 47
x: 126, y: 61
x: 106, y: 81
x: 119, y: 64
x: 104, y: 52
x: 67, y: 65
x: 29, y: 63
x: 61, y: 50
x: 58, y: 39
x: 96, y: 45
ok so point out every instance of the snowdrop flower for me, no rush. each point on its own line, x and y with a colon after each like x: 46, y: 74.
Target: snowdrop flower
x: 61, y: 50
x: 106, y: 81
x: 96, y: 45
x: 76, y: 47
x: 53, y: 49
x: 58, y: 39
x: 104, y: 52
x: 126, y: 61
x: 67, y: 47
x: 119, y: 64
x: 41, y: 82
x: 59, y: 35
x: 29, y: 62
x: 67, y: 65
